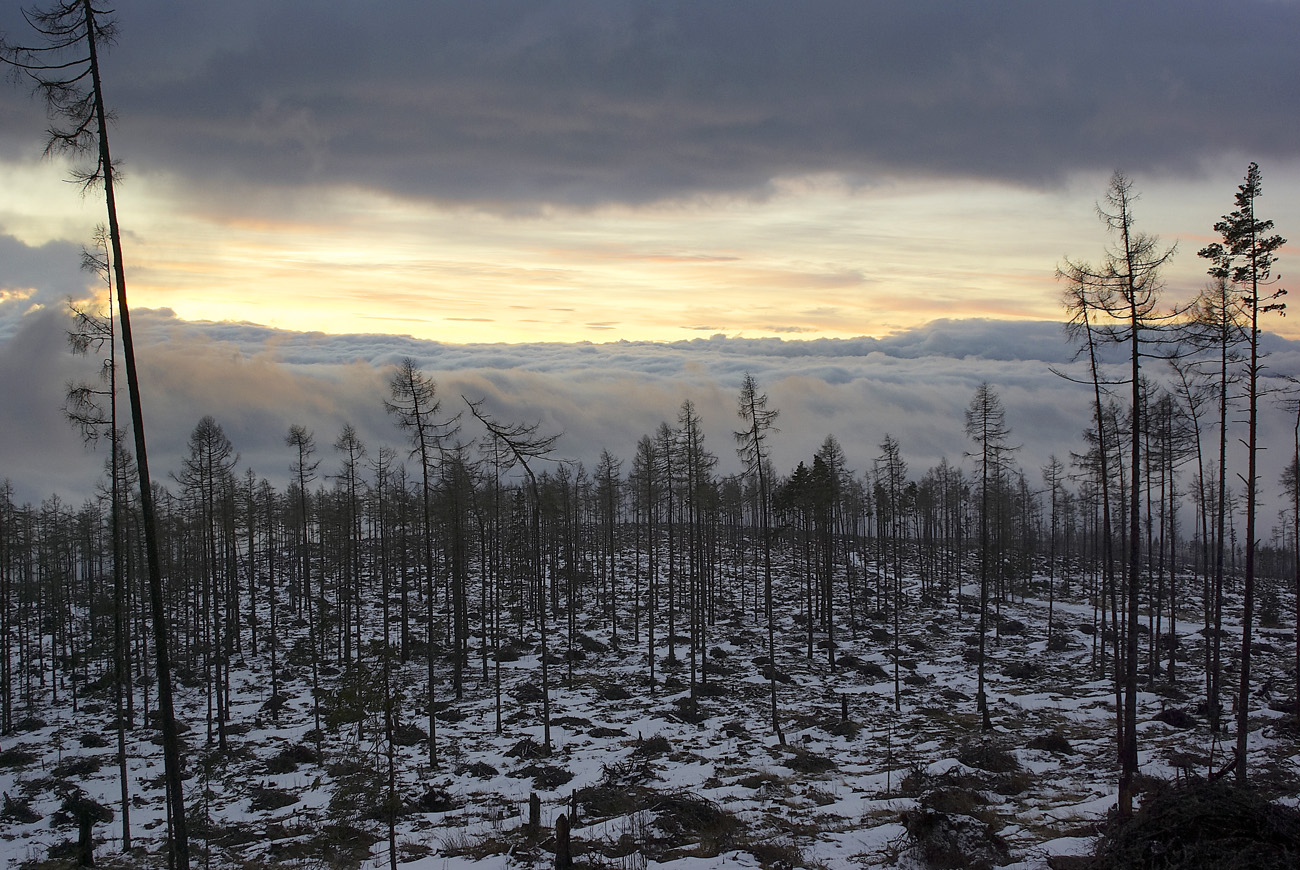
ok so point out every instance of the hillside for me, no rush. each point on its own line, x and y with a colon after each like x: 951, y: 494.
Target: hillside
x: 658, y: 777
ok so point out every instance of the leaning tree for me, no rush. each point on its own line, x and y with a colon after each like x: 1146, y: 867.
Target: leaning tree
x: 63, y: 66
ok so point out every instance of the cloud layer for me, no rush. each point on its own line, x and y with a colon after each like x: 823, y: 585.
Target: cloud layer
x: 257, y: 382
x: 521, y: 170
x: 517, y: 102
x: 610, y: 167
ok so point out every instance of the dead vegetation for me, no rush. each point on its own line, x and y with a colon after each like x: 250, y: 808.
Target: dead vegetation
x: 658, y: 773
x: 1202, y: 824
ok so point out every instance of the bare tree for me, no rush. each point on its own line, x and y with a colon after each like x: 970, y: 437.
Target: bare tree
x: 645, y: 474
x: 751, y: 444
x: 64, y: 67
x: 1291, y: 486
x: 891, y: 481
x: 609, y: 482
x: 1193, y: 390
x: 839, y: 480
x: 1054, y: 477
x: 986, y: 425
x: 1124, y: 291
x: 1215, y: 329
x: 1245, y: 257
x: 524, y: 443
x: 349, y: 476
x: 304, y: 471
x: 414, y: 404
x: 499, y: 459
x: 93, y: 409
x: 381, y: 464
x: 696, y: 469
x: 207, y: 477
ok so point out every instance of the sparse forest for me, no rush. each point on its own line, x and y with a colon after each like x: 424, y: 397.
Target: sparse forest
x: 455, y: 649
x: 381, y: 661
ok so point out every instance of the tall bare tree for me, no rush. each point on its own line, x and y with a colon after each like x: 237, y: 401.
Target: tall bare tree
x: 645, y: 474
x: 64, y: 67
x: 304, y: 471
x: 93, y: 409
x: 986, y: 425
x: 696, y: 464
x: 1124, y: 292
x: 414, y: 403
x: 1216, y: 331
x: 609, y: 482
x: 1193, y: 389
x: 207, y: 475
x: 524, y: 443
x: 751, y: 444
x: 1054, y: 478
x: 1291, y: 486
x: 1245, y: 257
x: 349, y: 477
x: 891, y: 482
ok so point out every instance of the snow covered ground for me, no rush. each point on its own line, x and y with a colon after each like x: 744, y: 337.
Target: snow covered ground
x: 660, y: 780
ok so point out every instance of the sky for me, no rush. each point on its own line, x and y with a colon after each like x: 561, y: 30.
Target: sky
x: 630, y: 187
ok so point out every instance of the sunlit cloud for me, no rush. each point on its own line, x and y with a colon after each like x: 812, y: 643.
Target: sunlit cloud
x: 816, y: 258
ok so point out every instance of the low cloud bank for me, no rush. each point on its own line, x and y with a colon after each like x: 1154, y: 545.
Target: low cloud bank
x: 257, y: 381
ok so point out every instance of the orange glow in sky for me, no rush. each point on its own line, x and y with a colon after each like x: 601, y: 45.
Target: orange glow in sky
x: 817, y: 258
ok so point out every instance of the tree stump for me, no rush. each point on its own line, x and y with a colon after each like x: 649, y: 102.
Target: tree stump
x: 563, y: 853
x: 534, y: 812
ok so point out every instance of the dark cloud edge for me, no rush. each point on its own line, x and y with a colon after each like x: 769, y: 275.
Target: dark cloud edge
x: 519, y: 105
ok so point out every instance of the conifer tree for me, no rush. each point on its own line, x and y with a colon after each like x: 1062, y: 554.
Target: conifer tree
x: 414, y: 403
x: 1245, y: 257
x: 986, y: 425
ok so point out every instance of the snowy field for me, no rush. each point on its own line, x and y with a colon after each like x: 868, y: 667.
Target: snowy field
x: 660, y: 779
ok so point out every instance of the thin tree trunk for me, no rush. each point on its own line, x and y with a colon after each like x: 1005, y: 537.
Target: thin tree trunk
x: 171, y: 733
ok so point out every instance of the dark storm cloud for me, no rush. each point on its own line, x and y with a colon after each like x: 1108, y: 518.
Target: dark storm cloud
x: 516, y: 102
